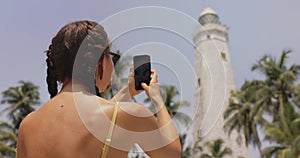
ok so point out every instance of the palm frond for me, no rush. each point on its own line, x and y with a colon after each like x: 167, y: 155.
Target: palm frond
x: 268, y: 152
x: 183, y: 118
x: 226, y: 151
x: 205, y: 156
x: 275, y: 134
x: 231, y: 124
x: 283, y: 58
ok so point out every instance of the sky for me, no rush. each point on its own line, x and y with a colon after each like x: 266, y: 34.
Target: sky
x: 255, y: 27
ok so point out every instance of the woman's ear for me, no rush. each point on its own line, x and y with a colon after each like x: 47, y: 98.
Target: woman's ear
x: 100, y: 71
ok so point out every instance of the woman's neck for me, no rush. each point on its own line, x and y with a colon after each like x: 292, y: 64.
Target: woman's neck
x: 73, y: 86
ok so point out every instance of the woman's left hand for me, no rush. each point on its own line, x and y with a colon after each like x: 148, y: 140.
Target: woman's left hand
x: 131, y: 84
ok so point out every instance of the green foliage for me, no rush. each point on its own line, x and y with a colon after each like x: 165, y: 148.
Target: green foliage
x: 20, y: 100
x: 216, y: 149
x: 8, y: 140
x: 240, y: 117
x: 272, y: 103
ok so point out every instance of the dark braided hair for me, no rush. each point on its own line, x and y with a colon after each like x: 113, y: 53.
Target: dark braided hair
x: 74, y: 53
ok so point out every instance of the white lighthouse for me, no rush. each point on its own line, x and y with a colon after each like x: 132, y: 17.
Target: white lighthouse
x: 214, y: 82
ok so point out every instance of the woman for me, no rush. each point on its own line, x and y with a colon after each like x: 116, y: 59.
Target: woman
x: 75, y: 123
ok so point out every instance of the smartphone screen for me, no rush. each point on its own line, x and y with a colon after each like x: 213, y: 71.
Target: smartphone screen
x: 142, y: 70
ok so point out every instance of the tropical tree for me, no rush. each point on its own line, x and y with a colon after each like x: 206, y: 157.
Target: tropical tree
x: 284, y: 127
x: 20, y: 102
x: 279, y: 83
x: 216, y: 150
x: 272, y: 103
x: 8, y: 140
x: 240, y: 116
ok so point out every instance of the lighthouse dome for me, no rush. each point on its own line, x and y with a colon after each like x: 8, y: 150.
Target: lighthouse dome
x: 208, y: 16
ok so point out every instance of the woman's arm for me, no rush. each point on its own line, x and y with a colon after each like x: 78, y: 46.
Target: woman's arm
x: 157, y: 137
x: 169, y: 135
x: 161, y: 137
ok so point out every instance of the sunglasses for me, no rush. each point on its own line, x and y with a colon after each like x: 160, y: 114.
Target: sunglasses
x: 115, y: 57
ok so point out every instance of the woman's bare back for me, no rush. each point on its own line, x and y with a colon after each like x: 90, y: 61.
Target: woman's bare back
x: 60, y: 129
x: 56, y: 130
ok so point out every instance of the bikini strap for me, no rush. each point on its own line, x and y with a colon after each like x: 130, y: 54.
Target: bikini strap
x: 110, y: 131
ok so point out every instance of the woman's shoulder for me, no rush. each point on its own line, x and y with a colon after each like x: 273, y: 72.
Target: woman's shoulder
x: 27, y: 121
x: 135, y: 109
x: 136, y: 117
x: 130, y: 108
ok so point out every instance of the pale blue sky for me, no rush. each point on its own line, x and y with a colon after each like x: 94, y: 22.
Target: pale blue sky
x: 255, y: 28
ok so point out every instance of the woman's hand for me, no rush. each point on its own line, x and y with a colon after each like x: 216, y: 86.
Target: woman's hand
x: 153, y: 90
x: 131, y: 84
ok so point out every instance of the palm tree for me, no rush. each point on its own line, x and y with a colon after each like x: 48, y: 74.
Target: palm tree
x: 215, y: 148
x: 240, y: 115
x: 20, y: 100
x: 284, y: 103
x: 276, y: 96
x: 8, y: 140
x: 280, y: 81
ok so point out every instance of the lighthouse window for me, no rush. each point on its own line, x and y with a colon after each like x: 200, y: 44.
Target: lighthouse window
x: 199, y: 82
x: 224, y: 56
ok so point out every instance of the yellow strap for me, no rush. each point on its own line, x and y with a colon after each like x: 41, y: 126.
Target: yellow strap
x: 110, y: 131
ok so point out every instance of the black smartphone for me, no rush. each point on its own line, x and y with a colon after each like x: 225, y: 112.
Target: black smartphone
x: 142, y: 70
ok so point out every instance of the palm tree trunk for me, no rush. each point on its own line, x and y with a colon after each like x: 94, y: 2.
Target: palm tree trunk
x: 281, y: 111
